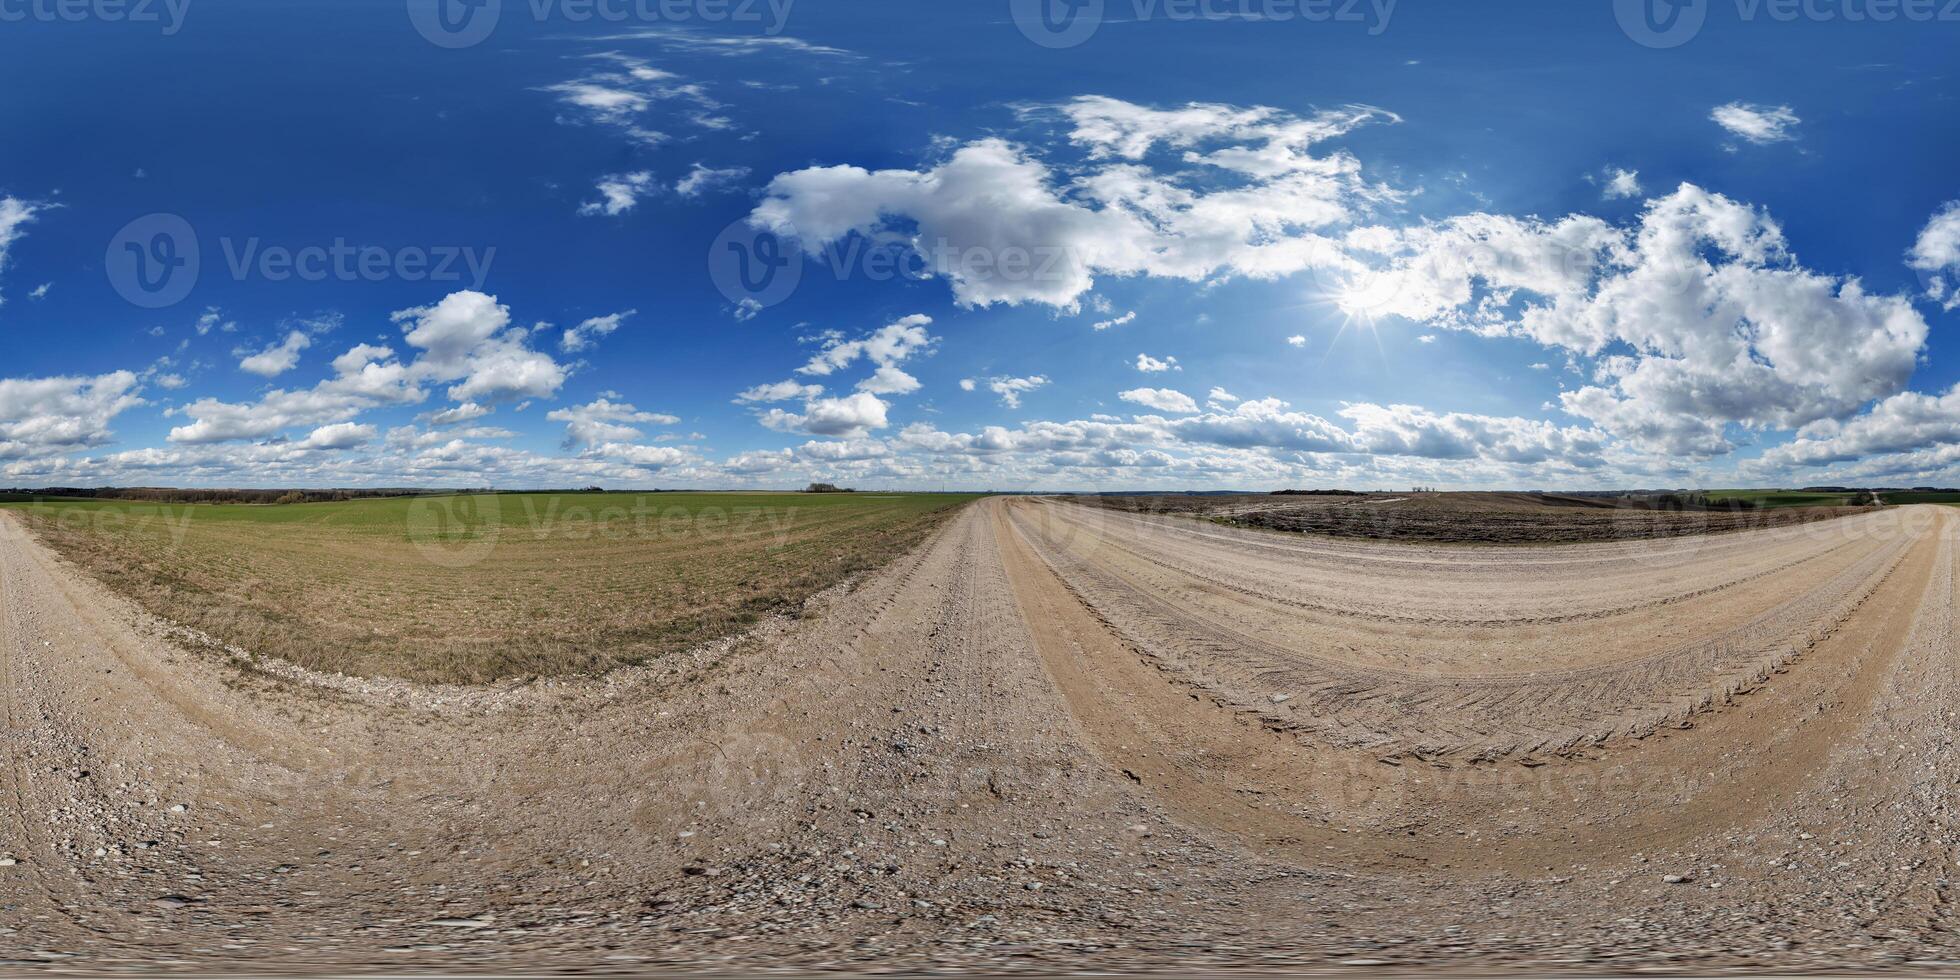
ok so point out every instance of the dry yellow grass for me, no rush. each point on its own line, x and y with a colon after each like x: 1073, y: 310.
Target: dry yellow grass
x: 480, y: 588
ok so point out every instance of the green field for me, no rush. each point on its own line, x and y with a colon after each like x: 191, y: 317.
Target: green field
x: 1802, y: 498
x: 483, y: 587
x: 1783, y: 498
x: 1922, y: 497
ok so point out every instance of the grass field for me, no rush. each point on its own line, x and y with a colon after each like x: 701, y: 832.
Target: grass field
x: 1922, y: 497
x: 1802, y: 498
x: 1784, y: 498
x: 480, y: 588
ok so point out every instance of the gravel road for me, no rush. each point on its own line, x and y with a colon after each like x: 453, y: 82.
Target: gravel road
x: 1052, y: 738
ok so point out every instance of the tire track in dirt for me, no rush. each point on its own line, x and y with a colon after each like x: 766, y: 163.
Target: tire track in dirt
x: 29, y: 847
x: 1676, y: 552
x: 952, y: 764
x: 1448, y: 711
x: 1206, y: 756
x: 1141, y: 595
x: 1243, y: 585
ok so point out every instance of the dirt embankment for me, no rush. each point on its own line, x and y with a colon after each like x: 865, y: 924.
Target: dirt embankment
x: 1052, y: 738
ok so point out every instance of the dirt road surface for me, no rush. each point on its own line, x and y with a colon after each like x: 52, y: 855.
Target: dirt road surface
x: 1053, y: 737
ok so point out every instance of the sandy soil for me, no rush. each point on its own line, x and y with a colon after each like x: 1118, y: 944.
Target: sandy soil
x: 1052, y: 738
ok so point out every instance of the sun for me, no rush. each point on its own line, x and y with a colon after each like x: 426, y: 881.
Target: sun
x: 1365, y: 297
x: 1360, y: 301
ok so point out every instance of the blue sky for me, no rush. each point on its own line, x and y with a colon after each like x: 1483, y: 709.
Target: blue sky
x: 1527, y: 244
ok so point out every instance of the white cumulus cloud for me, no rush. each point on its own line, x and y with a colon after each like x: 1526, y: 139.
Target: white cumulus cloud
x: 1161, y: 399
x: 1699, y: 315
x: 341, y: 435
x: 619, y: 193
x: 1937, y: 254
x: 702, y: 179
x: 605, y: 421
x: 277, y: 359
x: 779, y: 391
x: 14, y: 214
x: 887, y: 347
x: 1621, y: 184
x: 1756, y: 123
x: 850, y: 415
x: 1010, y: 389
x: 40, y: 416
x: 1003, y: 224
x: 585, y: 333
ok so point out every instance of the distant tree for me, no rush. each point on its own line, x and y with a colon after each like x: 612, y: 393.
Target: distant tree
x: 827, y: 488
